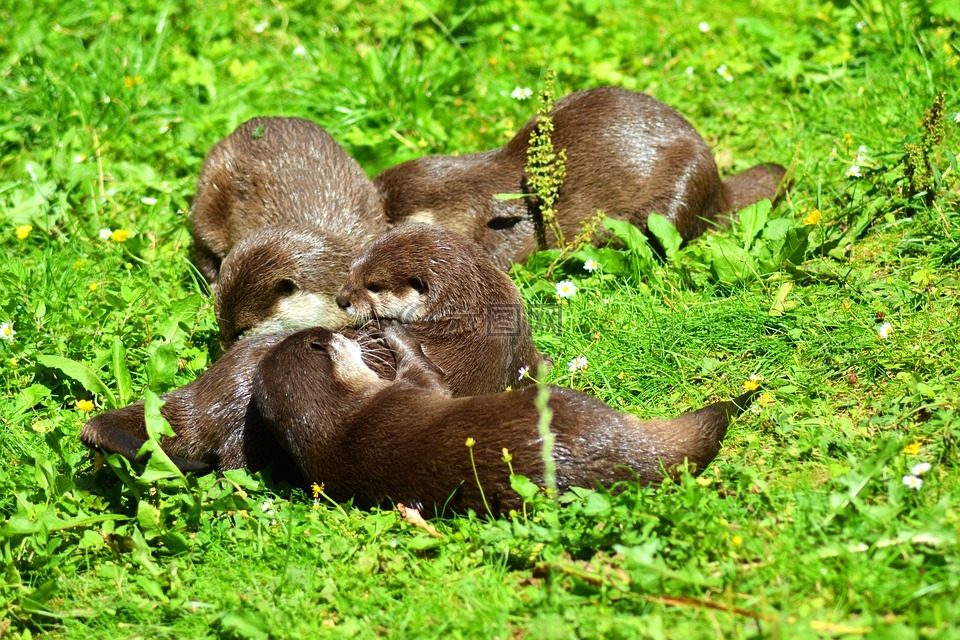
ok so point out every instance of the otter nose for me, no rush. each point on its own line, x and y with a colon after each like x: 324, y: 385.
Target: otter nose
x: 343, y: 302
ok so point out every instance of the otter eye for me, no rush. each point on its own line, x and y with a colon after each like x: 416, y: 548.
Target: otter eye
x: 373, y: 288
x: 418, y: 285
x: 286, y: 287
x: 502, y: 223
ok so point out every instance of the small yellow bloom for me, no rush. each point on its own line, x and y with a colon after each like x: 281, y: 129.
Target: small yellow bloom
x: 120, y: 235
x: 23, y: 231
x: 765, y: 398
x: 507, y: 457
x: 470, y: 443
x: 912, y: 449
x: 814, y: 217
x: 85, y: 406
x: 92, y: 287
x: 317, y: 490
x: 750, y: 385
x: 130, y: 82
x: 737, y: 541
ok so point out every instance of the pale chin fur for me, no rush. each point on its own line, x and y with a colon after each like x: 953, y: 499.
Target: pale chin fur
x: 406, y: 308
x: 303, y: 310
x: 348, y: 365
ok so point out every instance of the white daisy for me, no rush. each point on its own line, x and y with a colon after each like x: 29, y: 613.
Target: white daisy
x: 920, y: 468
x: 913, y: 482
x: 884, y: 330
x: 521, y: 93
x: 591, y: 265
x: 7, y: 332
x: 566, y: 289
x: 105, y: 233
x: 578, y: 363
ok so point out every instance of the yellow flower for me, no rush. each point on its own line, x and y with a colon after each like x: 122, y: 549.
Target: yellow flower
x: 317, y: 490
x: 130, y: 82
x: 507, y: 457
x: 470, y: 443
x: 814, y: 217
x: 737, y: 541
x: 912, y: 449
x: 120, y: 235
x: 23, y: 231
x: 92, y: 287
x: 85, y: 406
x: 750, y: 385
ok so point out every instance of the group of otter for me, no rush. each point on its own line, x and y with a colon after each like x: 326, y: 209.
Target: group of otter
x: 363, y: 321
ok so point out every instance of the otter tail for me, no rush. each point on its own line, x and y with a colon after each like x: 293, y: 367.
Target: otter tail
x: 124, y: 431
x: 694, y: 437
x: 751, y: 186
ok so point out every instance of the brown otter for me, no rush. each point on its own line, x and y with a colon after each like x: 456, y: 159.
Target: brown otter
x: 373, y: 440
x: 467, y: 313
x: 280, y: 278
x: 627, y: 154
x: 215, y: 425
x: 279, y: 171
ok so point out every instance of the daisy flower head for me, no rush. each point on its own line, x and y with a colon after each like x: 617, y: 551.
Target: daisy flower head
x: 7, y: 332
x: 913, y: 482
x: 725, y: 73
x: 566, y: 289
x: 105, y: 233
x: 522, y: 373
x: 578, y: 364
x: 521, y: 93
x: 591, y: 265
x: 956, y: 117
x: 920, y: 468
x: 884, y: 330
x: 854, y: 171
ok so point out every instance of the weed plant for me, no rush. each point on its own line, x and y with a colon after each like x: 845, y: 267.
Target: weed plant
x: 831, y: 510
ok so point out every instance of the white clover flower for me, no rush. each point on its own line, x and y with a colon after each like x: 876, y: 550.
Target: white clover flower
x: 521, y: 93
x: 300, y: 51
x: 884, y: 330
x: 105, y: 233
x: 704, y: 27
x: 725, y: 73
x: 854, y: 171
x: 591, y: 265
x: 7, y: 332
x: 578, y: 363
x: 522, y: 372
x: 147, y: 200
x: 913, y: 482
x: 920, y: 468
x: 566, y: 289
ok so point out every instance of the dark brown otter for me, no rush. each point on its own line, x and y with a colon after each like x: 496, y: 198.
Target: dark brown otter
x: 627, y: 154
x: 279, y: 171
x: 375, y: 441
x: 280, y: 278
x: 215, y: 425
x: 467, y: 314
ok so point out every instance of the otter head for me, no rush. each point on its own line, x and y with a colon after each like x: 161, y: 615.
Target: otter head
x: 459, y: 193
x: 280, y: 278
x: 414, y: 272
x: 314, y: 377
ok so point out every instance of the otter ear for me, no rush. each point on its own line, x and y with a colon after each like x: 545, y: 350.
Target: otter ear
x: 286, y: 287
x: 418, y: 285
x: 501, y: 223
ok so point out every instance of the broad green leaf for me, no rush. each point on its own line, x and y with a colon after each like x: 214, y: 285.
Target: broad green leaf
x: 118, y: 357
x: 81, y: 373
x: 664, y: 231
x: 162, y: 367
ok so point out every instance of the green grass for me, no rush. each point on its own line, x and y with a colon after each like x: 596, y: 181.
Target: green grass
x: 801, y: 528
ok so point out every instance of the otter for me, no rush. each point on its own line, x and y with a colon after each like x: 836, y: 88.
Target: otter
x: 628, y: 154
x: 374, y: 441
x: 280, y: 278
x: 215, y: 425
x: 279, y: 171
x: 465, y: 311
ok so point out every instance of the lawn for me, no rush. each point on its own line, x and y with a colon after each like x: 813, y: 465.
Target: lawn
x: 831, y: 511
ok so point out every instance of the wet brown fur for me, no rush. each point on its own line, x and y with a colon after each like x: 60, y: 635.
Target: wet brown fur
x: 404, y: 441
x: 627, y: 154
x: 469, y: 314
x: 215, y: 425
x: 279, y: 171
